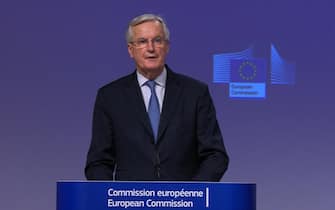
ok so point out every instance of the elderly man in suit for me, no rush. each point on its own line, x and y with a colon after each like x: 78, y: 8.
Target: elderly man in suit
x: 154, y: 124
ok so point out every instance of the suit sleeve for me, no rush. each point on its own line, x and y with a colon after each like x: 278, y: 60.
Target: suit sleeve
x: 211, y: 150
x: 100, y: 157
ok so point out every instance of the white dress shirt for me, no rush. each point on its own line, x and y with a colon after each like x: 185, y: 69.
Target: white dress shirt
x: 159, y: 88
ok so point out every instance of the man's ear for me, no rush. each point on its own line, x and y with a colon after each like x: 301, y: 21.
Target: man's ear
x: 130, y: 50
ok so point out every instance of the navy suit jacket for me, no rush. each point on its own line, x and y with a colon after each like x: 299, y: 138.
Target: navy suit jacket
x: 189, y: 144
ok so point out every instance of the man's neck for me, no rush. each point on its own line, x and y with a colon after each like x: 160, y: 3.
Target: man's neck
x: 152, y: 74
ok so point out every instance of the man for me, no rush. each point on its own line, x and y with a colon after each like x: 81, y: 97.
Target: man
x: 154, y: 124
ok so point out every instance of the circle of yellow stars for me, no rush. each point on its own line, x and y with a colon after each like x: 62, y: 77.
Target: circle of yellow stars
x: 254, y: 70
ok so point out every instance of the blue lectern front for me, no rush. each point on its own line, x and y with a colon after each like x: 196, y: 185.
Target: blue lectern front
x: 103, y: 195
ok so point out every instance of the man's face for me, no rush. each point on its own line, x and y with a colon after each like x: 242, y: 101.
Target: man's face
x: 148, y: 47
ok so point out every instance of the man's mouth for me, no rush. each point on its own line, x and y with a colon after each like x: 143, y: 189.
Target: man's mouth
x: 151, y: 57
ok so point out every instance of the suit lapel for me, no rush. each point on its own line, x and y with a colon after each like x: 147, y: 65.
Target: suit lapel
x: 134, y: 94
x: 172, y: 96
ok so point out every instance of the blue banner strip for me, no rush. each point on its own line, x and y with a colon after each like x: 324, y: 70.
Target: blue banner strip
x: 101, y: 195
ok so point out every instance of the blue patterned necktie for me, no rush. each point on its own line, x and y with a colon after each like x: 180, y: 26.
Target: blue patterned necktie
x: 153, y: 109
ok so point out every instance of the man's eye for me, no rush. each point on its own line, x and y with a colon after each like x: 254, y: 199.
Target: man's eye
x: 158, y: 40
x: 142, y: 41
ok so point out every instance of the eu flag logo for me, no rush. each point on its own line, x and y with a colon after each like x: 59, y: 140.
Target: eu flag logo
x: 248, y: 78
x: 248, y: 70
x: 247, y: 74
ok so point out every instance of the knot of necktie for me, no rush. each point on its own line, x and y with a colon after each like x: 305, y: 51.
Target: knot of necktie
x: 151, y: 84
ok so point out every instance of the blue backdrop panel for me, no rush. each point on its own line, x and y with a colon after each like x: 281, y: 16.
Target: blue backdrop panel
x: 54, y: 55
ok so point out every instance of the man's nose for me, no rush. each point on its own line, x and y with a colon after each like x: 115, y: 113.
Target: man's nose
x: 150, y: 46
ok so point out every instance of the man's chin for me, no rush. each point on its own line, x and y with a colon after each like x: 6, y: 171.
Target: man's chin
x: 153, y: 68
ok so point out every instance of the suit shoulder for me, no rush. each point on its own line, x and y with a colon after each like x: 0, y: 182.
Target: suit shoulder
x: 118, y: 83
x: 190, y: 82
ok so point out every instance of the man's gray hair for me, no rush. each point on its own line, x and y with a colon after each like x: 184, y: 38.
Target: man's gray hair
x: 146, y: 18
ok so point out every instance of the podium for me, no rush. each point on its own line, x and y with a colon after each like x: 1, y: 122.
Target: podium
x: 112, y: 195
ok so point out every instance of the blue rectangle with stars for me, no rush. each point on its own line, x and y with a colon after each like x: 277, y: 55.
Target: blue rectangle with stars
x: 248, y: 79
x: 248, y: 70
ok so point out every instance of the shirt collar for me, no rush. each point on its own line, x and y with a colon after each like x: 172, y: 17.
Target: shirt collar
x: 160, y: 80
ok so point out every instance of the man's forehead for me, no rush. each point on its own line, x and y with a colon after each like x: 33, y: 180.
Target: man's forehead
x: 148, y: 28
x: 148, y: 22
